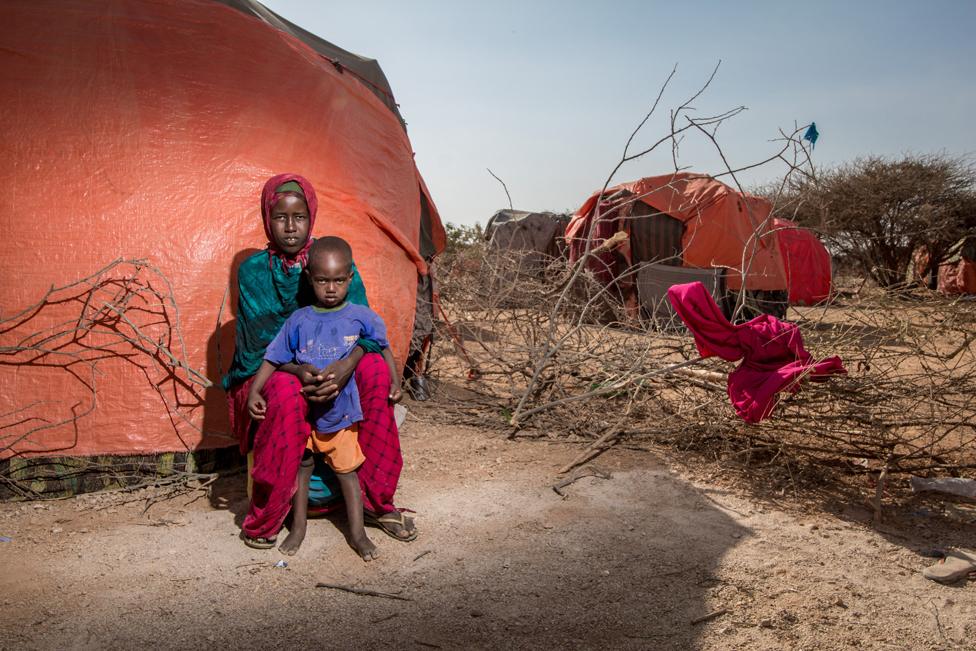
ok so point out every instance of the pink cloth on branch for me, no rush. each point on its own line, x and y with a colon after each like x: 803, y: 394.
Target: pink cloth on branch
x: 772, y: 352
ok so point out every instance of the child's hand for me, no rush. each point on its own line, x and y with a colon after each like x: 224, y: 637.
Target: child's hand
x: 308, y: 374
x: 256, y: 406
x: 331, y: 380
x: 395, y: 393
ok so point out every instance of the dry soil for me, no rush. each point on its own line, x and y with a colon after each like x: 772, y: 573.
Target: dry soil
x: 632, y: 562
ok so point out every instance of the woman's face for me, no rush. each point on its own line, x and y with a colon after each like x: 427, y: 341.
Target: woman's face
x: 289, y: 224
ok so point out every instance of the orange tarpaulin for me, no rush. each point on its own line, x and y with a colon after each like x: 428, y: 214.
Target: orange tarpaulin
x: 806, y: 262
x: 957, y: 274
x: 958, y: 278
x: 723, y: 228
x: 144, y: 129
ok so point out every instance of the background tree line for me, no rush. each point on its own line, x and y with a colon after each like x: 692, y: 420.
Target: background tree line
x: 874, y: 213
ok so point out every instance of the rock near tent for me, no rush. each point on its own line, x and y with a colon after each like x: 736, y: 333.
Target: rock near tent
x: 137, y: 136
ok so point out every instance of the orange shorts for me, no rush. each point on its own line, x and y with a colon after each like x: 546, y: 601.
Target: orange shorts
x: 341, y: 449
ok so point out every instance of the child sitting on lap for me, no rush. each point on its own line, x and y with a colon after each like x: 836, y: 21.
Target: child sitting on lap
x: 317, y: 336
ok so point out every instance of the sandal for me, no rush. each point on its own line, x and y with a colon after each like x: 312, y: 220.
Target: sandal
x: 260, y: 543
x: 387, y: 521
x: 953, y: 567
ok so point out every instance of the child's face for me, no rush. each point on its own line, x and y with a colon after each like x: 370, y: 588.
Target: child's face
x: 289, y: 224
x: 329, y: 275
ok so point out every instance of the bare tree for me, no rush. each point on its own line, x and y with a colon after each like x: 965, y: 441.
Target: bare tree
x: 877, y: 212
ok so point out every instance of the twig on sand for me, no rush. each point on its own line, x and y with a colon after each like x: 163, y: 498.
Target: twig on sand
x: 421, y: 555
x: 362, y: 591
x: 588, y: 471
x: 160, y: 523
x: 938, y: 622
x: 709, y: 617
x: 380, y: 620
x: 596, y: 447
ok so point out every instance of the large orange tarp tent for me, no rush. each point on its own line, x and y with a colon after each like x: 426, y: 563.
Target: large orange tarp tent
x: 144, y: 130
x: 722, y: 227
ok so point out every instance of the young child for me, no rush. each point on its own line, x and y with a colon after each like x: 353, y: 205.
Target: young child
x: 317, y: 336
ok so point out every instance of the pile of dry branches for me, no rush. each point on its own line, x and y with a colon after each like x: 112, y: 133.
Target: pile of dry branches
x: 909, y: 402
x: 125, y: 311
x: 557, y: 357
x: 907, y: 405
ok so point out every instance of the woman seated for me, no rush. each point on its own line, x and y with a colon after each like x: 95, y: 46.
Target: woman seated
x: 271, y: 288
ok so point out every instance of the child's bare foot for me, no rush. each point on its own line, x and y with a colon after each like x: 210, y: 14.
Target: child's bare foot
x: 294, y: 540
x: 299, y: 509
x: 365, y: 548
x: 352, y: 495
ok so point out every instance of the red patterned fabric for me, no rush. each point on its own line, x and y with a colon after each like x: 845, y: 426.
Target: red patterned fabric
x: 279, y: 442
x: 378, y: 435
x: 280, y: 439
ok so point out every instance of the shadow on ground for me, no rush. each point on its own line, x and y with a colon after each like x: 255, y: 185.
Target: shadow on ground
x: 502, y: 562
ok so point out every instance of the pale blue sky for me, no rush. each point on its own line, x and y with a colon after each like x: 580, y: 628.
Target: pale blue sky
x: 546, y: 93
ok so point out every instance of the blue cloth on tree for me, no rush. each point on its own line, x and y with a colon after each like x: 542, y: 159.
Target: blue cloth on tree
x: 812, y: 134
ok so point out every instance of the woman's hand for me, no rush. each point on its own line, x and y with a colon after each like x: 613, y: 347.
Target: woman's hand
x: 395, y: 381
x: 395, y: 392
x: 334, y: 378
x: 256, y: 406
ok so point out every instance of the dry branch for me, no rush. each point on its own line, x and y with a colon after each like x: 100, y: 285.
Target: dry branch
x: 362, y: 591
x: 504, y: 187
x: 561, y: 357
x: 587, y: 471
x: 125, y: 312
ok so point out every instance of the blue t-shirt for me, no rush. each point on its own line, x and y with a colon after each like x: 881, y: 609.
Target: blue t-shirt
x: 319, y: 337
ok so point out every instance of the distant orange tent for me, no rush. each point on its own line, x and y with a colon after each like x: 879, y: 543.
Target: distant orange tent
x: 805, y: 261
x: 144, y: 130
x: 687, y: 220
x: 695, y: 221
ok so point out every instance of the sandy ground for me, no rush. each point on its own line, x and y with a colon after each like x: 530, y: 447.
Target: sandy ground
x: 502, y: 562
